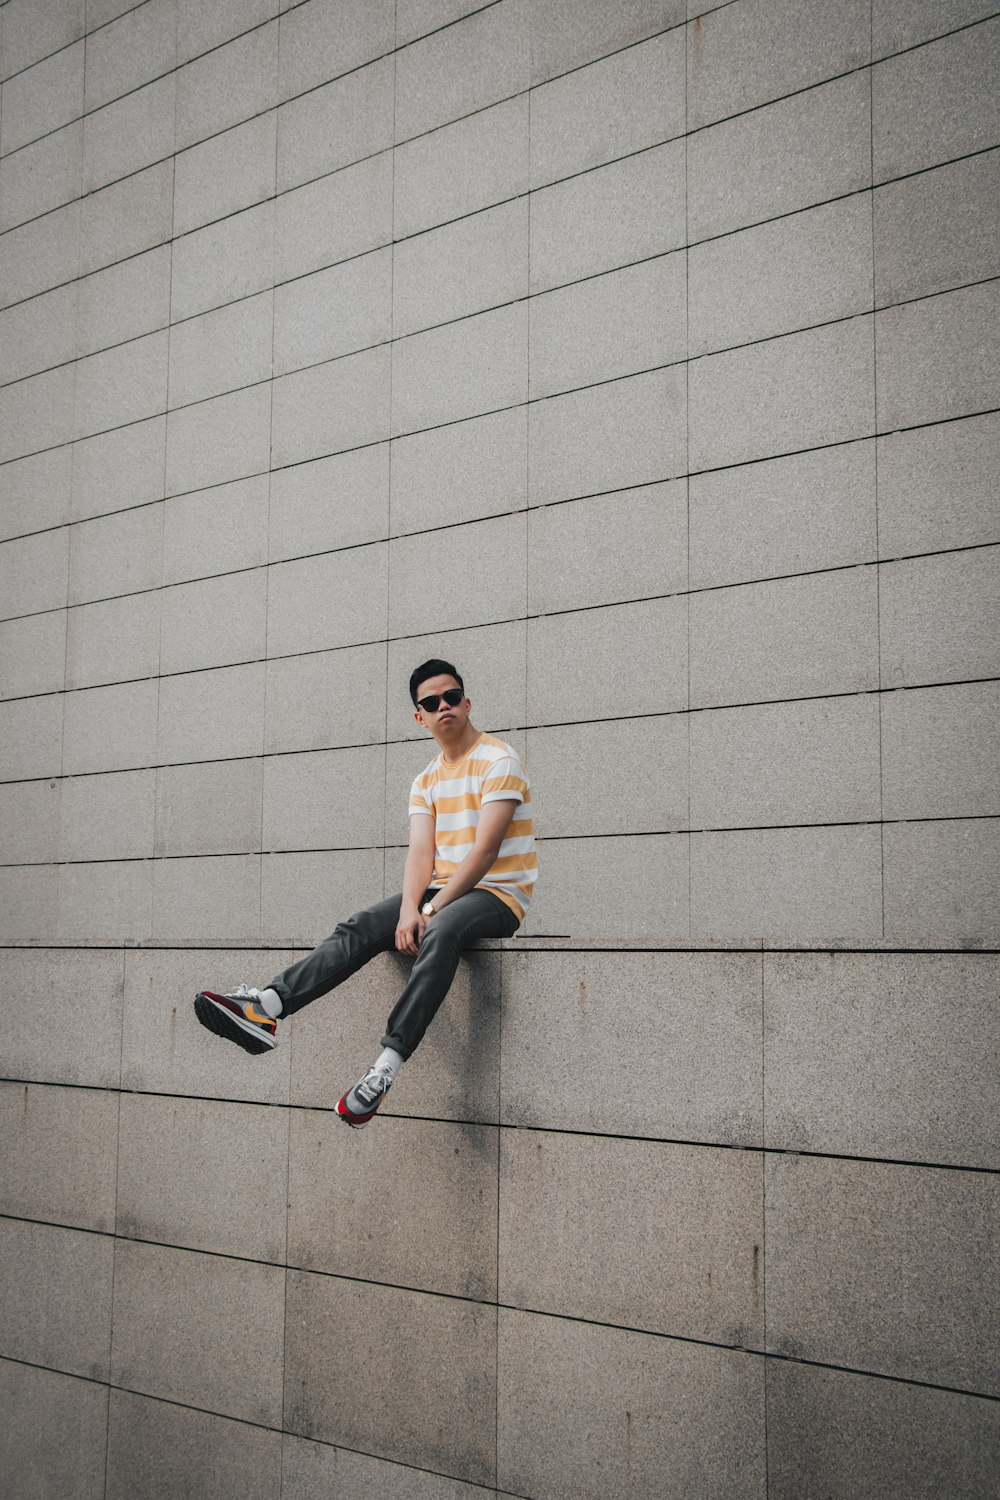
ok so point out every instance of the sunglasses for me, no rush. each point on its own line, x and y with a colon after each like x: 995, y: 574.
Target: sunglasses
x: 432, y: 702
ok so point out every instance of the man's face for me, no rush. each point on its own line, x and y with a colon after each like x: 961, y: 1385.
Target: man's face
x: 446, y: 720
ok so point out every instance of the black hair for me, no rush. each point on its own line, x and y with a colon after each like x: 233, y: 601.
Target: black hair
x: 433, y: 668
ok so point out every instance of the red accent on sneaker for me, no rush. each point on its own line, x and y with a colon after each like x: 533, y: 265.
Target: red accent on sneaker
x: 352, y: 1119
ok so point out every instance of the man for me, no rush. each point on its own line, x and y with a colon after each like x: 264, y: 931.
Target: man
x: 469, y: 874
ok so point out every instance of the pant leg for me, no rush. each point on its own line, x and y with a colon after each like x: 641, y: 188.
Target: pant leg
x: 348, y: 948
x: 477, y: 914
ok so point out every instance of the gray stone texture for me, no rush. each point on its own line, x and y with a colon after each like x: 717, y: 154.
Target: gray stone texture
x: 640, y: 884
x: 800, y: 637
x: 463, y: 369
x: 621, y: 104
x: 159, y: 1450
x: 199, y: 1327
x: 787, y: 884
x: 940, y: 756
x: 743, y: 56
x: 642, y: 538
x: 558, y: 1009
x: 936, y: 102
x: 936, y: 487
x: 309, y: 1468
x: 804, y: 390
x: 179, y: 1177
x: 462, y: 68
x: 608, y: 437
x: 885, y: 1055
x: 633, y: 209
x: 899, y: 24
x: 691, y: 1264
x: 594, y: 1412
x: 400, y: 1400
x: 61, y: 1155
x: 49, y: 1041
x: 566, y: 650
x: 490, y: 556
x: 632, y: 783
x: 799, y: 514
x: 940, y: 882
x: 937, y: 618
x: 39, y: 1402
x: 810, y: 268
x: 937, y: 357
x: 461, y: 168
x: 935, y: 231
x: 822, y: 755
x: 461, y: 472
x: 883, y: 1267
x: 477, y: 262
x: 809, y: 148
x: 850, y: 1435
x: 330, y: 1186
x: 57, y: 1311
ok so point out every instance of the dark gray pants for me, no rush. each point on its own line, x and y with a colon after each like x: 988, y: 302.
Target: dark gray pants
x: 477, y: 914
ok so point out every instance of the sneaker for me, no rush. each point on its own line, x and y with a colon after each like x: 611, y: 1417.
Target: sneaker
x: 361, y: 1103
x: 238, y: 1017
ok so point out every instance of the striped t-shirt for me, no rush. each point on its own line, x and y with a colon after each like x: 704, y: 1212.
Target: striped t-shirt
x: 453, y: 795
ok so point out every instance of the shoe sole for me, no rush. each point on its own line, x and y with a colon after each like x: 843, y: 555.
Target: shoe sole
x: 214, y: 1019
x: 351, y: 1120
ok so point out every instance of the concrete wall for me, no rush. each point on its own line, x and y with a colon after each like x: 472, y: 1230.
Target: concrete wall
x: 644, y: 363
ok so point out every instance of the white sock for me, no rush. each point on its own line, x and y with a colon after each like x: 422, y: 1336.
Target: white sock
x: 270, y: 1001
x: 390, y: 1061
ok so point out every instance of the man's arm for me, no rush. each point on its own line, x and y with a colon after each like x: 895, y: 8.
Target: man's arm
x: 494, y: 820
x: 417, y: 874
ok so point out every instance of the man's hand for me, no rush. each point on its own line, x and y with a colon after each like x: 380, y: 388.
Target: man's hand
x: 409, y: 932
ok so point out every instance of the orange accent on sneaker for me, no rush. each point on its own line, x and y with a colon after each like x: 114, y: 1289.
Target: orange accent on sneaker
x: 264, y: 1020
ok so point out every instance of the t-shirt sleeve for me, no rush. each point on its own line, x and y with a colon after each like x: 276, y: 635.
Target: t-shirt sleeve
x: 506, y: 782
x: 420, y: 801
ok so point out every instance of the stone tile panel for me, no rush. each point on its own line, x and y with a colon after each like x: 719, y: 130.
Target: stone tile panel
x: 885, y: 1268
x: 941, y: 882
x: 936, y: 487
x: 57, y: 1306
x: 461, y: 168
x: 50, y: 1041
x: 938, y: 618
x: 798, y: 514
x: 199, y: 1329
x: 462, y: 68
x: 433, y: 1172
x: 784, y: 885
x: 851, y: 1435
x: 786, y: 638
x: 625, y: 102
x: 180, y: 1180
x: 594, y: 1007
x: 691, y: 1263
x: 743, y: 57
x: 61, y: 1155
x: 431, y: 1395
x: 158, y: 1449
x: 595, y: 1412
x: 779, y: 764
x: 633, y: 209
x: 804, y: 390
x: 39, y: 1402
x: 882, y: 1055
x: 810, y: 148
x: 936, y: 102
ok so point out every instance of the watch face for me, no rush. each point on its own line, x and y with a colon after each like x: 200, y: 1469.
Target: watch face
x: 427, y: 910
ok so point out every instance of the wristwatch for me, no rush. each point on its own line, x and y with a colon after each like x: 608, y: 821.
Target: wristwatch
x: 428, y: 909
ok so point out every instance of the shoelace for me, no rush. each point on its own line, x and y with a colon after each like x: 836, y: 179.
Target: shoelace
x: 244, y: 992
x: 372, y: 1086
